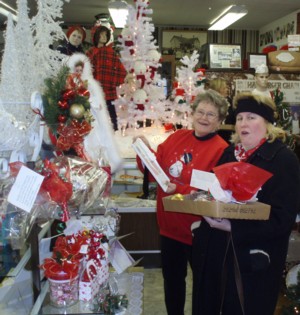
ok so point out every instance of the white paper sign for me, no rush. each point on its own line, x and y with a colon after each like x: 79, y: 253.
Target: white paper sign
x: 119, y: 257
x: 208, y: 181
x: 149, y: 160
x: 25, y: 189
x: 289, y: 88
x: 202, y: 180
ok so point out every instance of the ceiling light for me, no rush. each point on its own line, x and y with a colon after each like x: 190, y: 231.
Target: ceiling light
x: 5, y: 9
x: 228, y: 17
x: 118, y: 10
x: 6, y: 13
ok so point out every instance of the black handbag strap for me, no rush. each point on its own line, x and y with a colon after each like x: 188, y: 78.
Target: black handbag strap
x: 237, y: 275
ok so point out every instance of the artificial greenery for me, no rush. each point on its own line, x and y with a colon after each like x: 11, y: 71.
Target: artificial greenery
x: 56, y: 92
x: 284, y: 117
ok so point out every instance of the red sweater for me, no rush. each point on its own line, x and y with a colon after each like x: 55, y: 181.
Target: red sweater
x: 178, y: 155
x: 107, y: 69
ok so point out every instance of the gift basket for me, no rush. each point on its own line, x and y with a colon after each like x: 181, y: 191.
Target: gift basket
x: 70, y: 187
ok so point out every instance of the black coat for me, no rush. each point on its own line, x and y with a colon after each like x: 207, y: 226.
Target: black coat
x: 261, y: 271
x: 68, y: 49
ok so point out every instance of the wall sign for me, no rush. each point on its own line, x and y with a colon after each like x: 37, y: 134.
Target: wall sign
x: 290, y: 89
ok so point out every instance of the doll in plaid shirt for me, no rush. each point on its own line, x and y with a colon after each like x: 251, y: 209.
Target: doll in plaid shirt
x: 107, y: 68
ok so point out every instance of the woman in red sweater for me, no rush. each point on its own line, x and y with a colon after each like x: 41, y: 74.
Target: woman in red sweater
x: 178, y: 155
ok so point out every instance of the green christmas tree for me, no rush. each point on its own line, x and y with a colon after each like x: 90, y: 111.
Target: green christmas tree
x: 284, y: 116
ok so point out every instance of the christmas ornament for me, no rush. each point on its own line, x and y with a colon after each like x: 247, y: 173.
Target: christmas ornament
x: 140, y: 98
x: 77, y: 111
x: 140, y: 70
x: 63, y: 104
x: 62, y: 118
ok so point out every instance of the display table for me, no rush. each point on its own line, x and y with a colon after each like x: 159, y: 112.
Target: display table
x: 130, y: 283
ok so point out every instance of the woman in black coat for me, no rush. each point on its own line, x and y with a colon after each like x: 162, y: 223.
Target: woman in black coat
x: 238, y: 264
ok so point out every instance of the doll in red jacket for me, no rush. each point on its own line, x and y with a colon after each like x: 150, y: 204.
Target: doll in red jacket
x: 107, y: 67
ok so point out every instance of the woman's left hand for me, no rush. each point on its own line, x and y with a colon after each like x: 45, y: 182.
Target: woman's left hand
x: 220, y: 224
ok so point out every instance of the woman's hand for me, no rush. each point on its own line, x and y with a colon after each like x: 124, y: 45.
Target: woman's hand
x: 171, y: 188
x: 220, y: 224
x: 143, y: 138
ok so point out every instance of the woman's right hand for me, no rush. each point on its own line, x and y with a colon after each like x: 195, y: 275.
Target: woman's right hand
x: 143, y: 138
x: 171, y: 188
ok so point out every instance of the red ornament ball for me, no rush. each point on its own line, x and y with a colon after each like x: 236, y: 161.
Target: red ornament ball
x: 62, y: 118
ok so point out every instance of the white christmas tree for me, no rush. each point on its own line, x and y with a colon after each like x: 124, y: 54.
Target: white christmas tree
x: 25, y: 49
x: 46, y: 31
x: 187, y: 88
x: 25, y: 65
x: 143, y: 98
x: 10, y: 86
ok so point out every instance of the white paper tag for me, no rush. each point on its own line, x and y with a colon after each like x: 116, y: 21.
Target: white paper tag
x: 202, y: 180
x: 25, y: 189
x: 119, y: 257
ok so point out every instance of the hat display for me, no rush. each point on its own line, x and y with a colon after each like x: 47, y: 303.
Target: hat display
x: 73, y: 28
x: 261, y: 69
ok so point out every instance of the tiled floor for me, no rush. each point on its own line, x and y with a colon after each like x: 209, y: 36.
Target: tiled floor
x: 154, y: 294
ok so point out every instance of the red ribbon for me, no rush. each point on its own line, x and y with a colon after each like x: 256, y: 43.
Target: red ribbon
x: 72, y: 135
x: 60, y: 191
x: 83, y: 92
x: 68, y: 94
x: 62, y: 270
x: 38, y: 112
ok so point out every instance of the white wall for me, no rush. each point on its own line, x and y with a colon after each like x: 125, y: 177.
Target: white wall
x: 276, y: 32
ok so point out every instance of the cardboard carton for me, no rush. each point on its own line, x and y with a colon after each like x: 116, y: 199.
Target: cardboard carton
x: 217, y: 209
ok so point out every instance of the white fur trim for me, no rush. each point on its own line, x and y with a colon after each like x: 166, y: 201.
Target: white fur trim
x: 101, y: 138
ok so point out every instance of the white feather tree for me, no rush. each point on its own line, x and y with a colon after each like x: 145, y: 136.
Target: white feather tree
x: 46, y: 31
x: 25, y: 49
x: 142, y: 98
x: 25, y: 64
x: 10, y: 86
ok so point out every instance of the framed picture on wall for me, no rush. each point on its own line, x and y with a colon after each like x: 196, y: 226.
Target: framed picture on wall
x: 182, y: 42
x: 255, y: 59
x: 225, y: 56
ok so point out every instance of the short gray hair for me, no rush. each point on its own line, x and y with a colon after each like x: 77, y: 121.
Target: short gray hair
x: 215, y: 99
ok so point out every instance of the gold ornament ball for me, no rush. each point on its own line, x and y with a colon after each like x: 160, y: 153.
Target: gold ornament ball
x: 77, y: 111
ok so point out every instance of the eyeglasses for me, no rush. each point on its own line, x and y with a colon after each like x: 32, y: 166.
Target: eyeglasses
x: 209, y: 115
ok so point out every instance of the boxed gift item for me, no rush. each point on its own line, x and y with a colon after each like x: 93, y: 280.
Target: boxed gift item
x: 217, y: 209
x: 228, y: 193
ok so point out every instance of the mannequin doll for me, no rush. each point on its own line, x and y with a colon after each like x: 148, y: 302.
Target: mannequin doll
x: 76, y: 36
x: 108, y: 70
x: 261, y: 80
